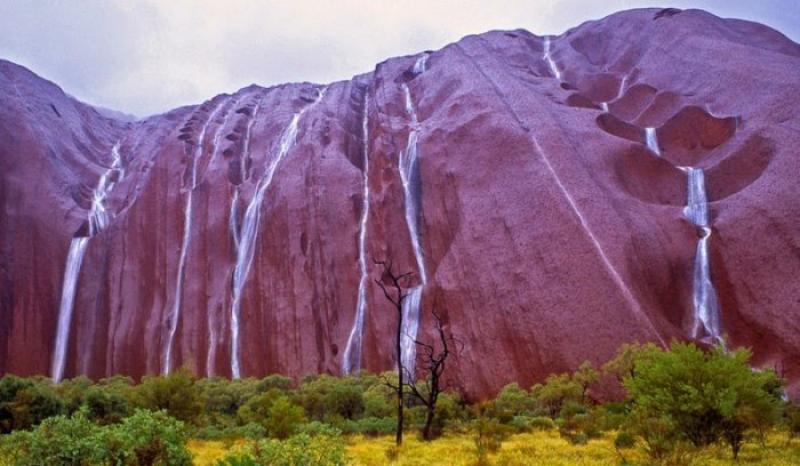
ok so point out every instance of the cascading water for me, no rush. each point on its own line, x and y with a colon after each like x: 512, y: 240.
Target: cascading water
x: 706, y: 322
x: 213, y: 323
x: 234, y: 215
x: 98, y: 220
x: 351, y: 361
x: 604, y: 106
x: 549, y: 59
x: 249, y: 231
x: 652, y: 140
x: 409, y: 175
x: 175, y: 311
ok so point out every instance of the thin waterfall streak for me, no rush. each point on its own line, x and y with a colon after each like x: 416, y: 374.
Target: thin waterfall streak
x: 549, y: 59
x: 351, y: 361
x: 98, y: 220
x: 175, y: 311
x: 409, y: 174
x: 604, y: 106
x: 77, y: 249
x: 706, y: 317
x: 211, y: 354
x: 234, y: 213
x: 651, y: 137
x: 610, y: 267
x: 249, y: 230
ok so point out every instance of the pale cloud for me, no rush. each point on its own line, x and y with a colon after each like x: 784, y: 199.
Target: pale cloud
x: 148, y: 56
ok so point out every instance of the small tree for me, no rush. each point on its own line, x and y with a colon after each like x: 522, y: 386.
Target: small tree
x: 395, y: 294
x: 585, y: 376
x: 704, y: 396
x: 177, y: 393
x: 433, y: 358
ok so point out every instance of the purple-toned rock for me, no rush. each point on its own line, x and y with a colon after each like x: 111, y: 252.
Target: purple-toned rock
x: 550, y: 227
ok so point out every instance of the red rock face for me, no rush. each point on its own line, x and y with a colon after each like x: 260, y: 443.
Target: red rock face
x: 550, y: 233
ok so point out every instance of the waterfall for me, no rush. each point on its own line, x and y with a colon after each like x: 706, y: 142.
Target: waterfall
x: 604, y: 106
x: 249, y: 230
x: 175, y: 311
x: 549, y: 59
x: 245, y: 153
x: 409, y: 175
x: 421, y: 64
x: 98, y: 220
x: 652, y: 140
x: 706, y: 323
x: 352, y: 355
x: 77, y: 248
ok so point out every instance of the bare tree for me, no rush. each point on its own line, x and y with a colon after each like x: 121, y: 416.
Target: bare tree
x: 394, y: 292
x: 431, y: 360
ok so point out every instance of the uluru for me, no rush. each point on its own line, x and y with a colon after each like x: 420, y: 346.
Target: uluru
x: 552, y: 197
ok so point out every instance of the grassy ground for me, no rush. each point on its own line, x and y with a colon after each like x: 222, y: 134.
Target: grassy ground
x: 537, y: 448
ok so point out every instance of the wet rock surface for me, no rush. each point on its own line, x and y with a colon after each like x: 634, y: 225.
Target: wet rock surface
x: 550, y: 233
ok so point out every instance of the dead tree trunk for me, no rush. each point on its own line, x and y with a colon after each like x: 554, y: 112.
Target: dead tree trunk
x: 432, y: 362
x: 393, y: 291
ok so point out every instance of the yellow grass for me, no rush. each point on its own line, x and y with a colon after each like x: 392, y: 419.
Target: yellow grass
x: 534, y: 449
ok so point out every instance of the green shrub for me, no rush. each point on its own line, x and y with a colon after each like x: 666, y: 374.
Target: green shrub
x: 25, y: 403
x: 555, y: 392
x: 370, y: 426
x: 275, y: 381
x: 223, y: 397
x: 704, y: 396
x: 178, y: 394
x: 510, y: 402
x: 107, y: 406
x: 153, y: 439
x: 624, y: 440
x: 250, y: 430
x: 283, y: 418
x: 324, y: 397
x: 143, y: 439
x: 300, y: 449
x: 379, y: 401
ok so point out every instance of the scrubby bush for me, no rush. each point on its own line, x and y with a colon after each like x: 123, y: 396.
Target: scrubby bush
x: 624, y: 440
x: 510, y: 402
x: 489, y: 435
x: 223, y: 397
x: 700, y: 396
x: 144, y: 438
x: 301, y: 449
x: 25, y: 403
x: 107, y: 407
x: 370, y: 426
x: 325, y: 397
x: 379, y: 401
x: 177, y: 393
x: 555, y: 392
x: 275, y: 412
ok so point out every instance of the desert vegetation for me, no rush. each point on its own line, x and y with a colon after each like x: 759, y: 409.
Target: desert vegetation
x: 685, y: 405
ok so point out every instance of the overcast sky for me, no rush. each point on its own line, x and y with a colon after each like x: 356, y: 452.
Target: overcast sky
x: 148, y: 56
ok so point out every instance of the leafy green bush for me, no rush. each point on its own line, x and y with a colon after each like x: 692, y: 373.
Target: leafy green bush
x: 379, y: 401
x: 27, y: 402
x: 624, y: 440
x: 250, y: 430
x: 106, y: 406
x: 143, y: 439
x: 529, y: 423
x: 702, y: 396
x: 301, y: 449
x: 370, y: 426
x: 510, y: 402
x: 324, y: 397
x: 275, y: 412
x: 557, y: 390
x: 176, y: 393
